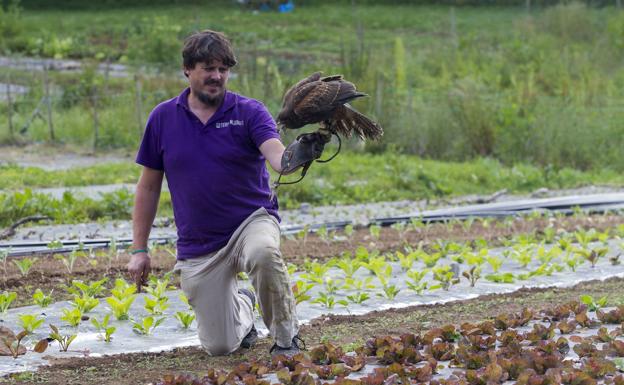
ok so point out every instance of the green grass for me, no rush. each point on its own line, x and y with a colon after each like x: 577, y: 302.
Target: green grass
x: 476, y: 82
x: 349, y: 179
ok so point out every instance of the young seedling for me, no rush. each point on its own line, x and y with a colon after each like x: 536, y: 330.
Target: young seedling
x: 63, y: 340
x: 389, y: 292
x: 592, y: 255
x: 406, y: 260
x: 359, y: 284
x: 495, y: 262
x: 72, y: 316
x: 375, y: 231
x: 6, y: 298
x: 326, y: 300
x: 302, y: 234
x: 155, y: 306
x: 185, y: 300
x: 4, y: 256
x: 472, y: 275
x: 445, y: 276
x: 121, y: 299
x: 401, y: 228
x: 42, y: 299
x: 500, y: 278
x: 348, y: 266
x: 300, y: 291
x: 70, y: 259
x: 593, y: 305
x: 572, y: 261
x: 24, y: 265
x: 147, y: 325
x: 323, y: 234
x: 30, y: 322
x: 85, y: 304
x: 93, y: 289
x: 332, y: 285
x: 415, y: 282
x: 103, y: 327
x: 185, y: 318
x: 359, y: 297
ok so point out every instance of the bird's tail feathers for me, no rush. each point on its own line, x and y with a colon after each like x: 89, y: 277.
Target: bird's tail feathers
x: 353, y: 121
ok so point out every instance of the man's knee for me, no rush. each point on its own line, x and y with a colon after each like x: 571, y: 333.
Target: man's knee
x: 266, y: 258
x: 218, y: 348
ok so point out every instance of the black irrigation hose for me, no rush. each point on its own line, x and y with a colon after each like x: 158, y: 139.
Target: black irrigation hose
x: 40, y: 248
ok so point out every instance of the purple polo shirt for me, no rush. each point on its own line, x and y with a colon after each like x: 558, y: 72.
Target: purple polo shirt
x: 215, y: 171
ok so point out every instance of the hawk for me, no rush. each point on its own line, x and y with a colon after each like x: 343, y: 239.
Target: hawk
x: 324, y: 100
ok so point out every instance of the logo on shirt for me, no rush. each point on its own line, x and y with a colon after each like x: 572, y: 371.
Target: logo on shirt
x: 228, y: 123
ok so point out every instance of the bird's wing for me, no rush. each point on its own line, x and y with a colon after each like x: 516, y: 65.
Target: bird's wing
x: 296, y: 89
x: 323, y: 98
x: 347, y: 120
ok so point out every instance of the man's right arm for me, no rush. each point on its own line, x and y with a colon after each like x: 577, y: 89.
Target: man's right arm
x: 145, y: 206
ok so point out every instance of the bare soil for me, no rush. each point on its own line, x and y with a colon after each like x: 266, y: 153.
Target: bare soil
x: 348, y: 331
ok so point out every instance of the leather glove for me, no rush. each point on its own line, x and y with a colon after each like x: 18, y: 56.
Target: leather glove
x: 303, y: 151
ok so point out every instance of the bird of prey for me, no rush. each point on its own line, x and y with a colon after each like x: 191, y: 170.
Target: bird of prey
x: 324, y: 100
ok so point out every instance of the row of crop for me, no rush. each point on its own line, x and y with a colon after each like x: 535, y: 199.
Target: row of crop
x: 527, y: 347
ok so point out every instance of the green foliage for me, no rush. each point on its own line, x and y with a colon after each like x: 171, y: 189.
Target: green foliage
x: 122, y: 297
x: 41, y: 299
x: 146, y: 325
x: 24, y: 265
x: 103, y: 327
x: 30, y: 322
x: 592, y: 304
x: 63, y: 340
x: 72, y: 316
x: 185, y: 318
x: 6, y: 298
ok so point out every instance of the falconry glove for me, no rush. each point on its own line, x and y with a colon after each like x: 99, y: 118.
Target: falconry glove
x: 303, y: 151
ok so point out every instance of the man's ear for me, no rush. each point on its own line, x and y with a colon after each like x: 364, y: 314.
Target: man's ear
x: 186, y: 73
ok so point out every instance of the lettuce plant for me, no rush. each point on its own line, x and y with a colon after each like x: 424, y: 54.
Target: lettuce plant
x: 63, y: 340
x: 332, y: 285
x: 472, y: 275
x: 375, y: 231
x: 444, y: 276
x: 103, y: 327
x: 348, y: 266
x: 500, y: 277
x: 359, y: 297
x: 415, y: 283
x: 147, y: 325
x: 30, y: 322
x: 85, y: 303
x: 359, y: 284
x: 24, y: 265
x: 14, y: 344
x: 327, y: 300
x: 72, y: 316
x: 389, y: 291
x: 300, y: 291
x: 406, y: 260
x: 93, y: 289
x: 42, y: 299
x: 155, y: 306
x: 122, y: 297
x: 6, y: 298
x: 593, y: 305
x: 185, y: 318
x: 495, y: 262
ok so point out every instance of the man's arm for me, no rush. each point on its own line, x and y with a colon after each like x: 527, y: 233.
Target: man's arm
x: 145, y: 207
x: 272, y: 149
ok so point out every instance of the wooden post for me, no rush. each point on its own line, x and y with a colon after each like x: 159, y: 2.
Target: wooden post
x: 46, y: 89
x: 453, y: 28
x: 139, y: 104
x: 9, y: 104
x: 96, y: 123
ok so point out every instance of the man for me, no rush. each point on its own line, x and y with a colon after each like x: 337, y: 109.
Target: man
x: 212, y: 145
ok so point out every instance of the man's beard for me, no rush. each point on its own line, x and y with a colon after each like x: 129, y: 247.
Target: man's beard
x: 208, y: 99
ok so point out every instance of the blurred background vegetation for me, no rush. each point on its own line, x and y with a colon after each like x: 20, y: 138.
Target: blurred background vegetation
x: 534, y: 82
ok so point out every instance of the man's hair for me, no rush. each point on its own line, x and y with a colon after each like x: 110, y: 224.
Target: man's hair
x: 206, y: 46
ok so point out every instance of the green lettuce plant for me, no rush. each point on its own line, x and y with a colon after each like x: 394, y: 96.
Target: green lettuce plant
x: 24, y: 265
x: 72, y: 316
x: 415, y: 283
x: 30, y: 322
x: 6, y: 298
x: 445, y: 276
x: 185, y: 318
x: 106, y: 331
x: 41, y: 299
x: 63, y: 340
x: 146, y: 325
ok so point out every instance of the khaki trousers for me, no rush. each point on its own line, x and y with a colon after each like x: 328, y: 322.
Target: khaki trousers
x: 224, y: 316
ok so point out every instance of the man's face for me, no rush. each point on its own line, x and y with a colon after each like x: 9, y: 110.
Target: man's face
x: 208, y: 81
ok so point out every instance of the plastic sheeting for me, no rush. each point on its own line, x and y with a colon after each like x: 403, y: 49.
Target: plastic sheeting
x: 170, y: 335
